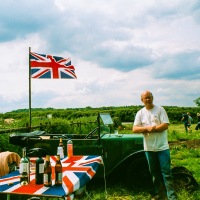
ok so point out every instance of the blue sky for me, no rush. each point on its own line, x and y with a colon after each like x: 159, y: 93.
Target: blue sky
x: 119, y: 49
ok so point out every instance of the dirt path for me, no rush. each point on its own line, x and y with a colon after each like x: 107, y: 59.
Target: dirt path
x: 190, y: 144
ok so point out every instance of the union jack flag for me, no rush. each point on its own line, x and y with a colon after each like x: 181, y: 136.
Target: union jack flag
x: 47, y: 66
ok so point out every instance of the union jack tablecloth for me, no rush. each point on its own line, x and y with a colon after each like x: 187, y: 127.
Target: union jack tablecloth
x: 77, y: 172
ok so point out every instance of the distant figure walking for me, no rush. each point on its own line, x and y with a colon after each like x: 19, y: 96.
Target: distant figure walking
x: 189, y: 121
x: 198, y: 122
x: 185, y: 121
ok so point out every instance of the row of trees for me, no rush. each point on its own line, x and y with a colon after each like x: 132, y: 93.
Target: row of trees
x: 124, y: 113
x: 197, y: 101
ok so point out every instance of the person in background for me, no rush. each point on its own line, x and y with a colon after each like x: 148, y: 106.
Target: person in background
x: 153, y: 122
x: 184, y: 119
x: 198, y: 122
x: 189, y: 122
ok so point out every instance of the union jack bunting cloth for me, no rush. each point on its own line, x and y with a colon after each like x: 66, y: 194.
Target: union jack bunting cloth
x: 77, y: 172
x: 47, y: 66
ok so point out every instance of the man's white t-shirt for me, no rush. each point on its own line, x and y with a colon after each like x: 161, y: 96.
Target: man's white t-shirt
x: 157, y: 141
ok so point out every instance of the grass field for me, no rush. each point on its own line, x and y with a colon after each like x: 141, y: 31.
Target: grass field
x: 185, y: 151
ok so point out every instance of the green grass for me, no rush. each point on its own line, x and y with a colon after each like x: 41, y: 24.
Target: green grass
x: 181, y: 156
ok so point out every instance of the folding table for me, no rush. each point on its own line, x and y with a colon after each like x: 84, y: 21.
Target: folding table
x: 77, y: 172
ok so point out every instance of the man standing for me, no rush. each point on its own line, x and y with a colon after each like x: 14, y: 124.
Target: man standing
x: 185, y: 121
x: 153, y: 122
x: 198, y: 122
x: 189, y: 122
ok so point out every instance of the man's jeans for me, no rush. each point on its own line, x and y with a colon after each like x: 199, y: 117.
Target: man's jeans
x: 160, y: 169
x: 186, y: 126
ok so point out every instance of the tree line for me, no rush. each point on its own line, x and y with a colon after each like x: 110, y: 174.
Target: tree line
x: 123, y: 113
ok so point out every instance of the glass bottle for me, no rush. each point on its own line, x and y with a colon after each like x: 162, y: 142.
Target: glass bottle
x: 47, y: 172
x: 39, y: 171
x: 24, y: 168
x: 61, y: 143
x: 58, y: 171
x: 60, y: 149
x: 69, y: 148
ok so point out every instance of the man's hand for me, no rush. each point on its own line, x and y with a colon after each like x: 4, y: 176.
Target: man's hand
x: 144, y: 129
x: 151, y: 129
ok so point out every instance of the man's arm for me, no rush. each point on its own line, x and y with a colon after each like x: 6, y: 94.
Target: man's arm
x: 143, y: 129
x: 150, y: 129
x: 161, y: 127
x: 139, y: 129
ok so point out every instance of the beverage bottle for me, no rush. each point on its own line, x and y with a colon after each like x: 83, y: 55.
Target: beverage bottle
x: 39, y: 170
x: 58, y: 171
x: 61, y: 143
x: 24, y: 168
x: 69, y: 148
x: 47, y: 172
x: 60, y: 149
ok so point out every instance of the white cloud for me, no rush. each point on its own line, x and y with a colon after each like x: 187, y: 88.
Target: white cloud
x: 119, y: 48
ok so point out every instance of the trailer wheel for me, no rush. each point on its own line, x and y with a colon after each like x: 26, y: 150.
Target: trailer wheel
x: 138, y: 175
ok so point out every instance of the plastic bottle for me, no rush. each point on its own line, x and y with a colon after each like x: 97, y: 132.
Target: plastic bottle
x: 69, y: 148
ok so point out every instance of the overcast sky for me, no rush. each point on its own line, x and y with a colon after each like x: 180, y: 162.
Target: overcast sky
x: 118, y: 48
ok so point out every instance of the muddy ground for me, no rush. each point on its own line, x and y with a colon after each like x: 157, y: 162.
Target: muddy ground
x: 189, y: 144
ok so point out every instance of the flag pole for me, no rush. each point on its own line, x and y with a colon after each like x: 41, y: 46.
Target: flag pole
x: 30, y: 120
